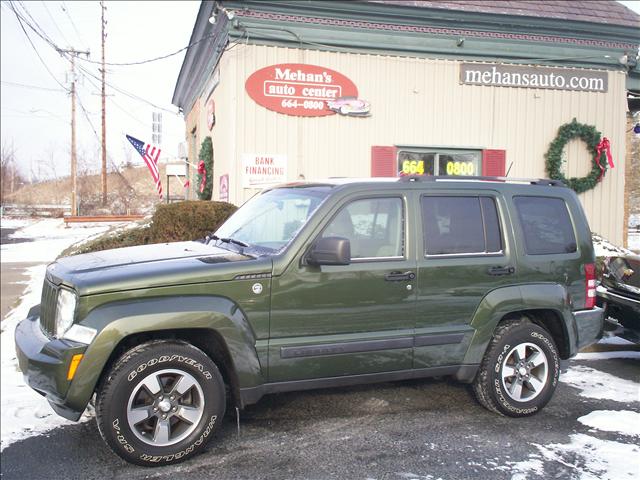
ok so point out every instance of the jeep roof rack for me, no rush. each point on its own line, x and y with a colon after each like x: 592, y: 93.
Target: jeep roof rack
x: 547, y: 182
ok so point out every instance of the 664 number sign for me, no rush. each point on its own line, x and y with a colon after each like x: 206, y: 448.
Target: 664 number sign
x: 416, y: 167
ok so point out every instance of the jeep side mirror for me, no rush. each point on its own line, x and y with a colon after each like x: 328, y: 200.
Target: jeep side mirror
x: 330, y: 251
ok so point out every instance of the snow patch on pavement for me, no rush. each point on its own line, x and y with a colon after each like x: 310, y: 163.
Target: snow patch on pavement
x: 590, y: 458
x: 625, y: 422
x: 45, y: 239
x: 607, y: 355
x: 615, y: 341
x: 601, y: 385
x: 23, y: 412
x: 583, y: 458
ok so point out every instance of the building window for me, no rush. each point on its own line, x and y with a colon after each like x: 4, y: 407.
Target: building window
x: 439, y: 161
x: 460, y: 226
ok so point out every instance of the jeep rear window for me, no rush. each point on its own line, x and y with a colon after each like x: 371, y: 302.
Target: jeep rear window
x: 546, y: 225
x: 269, y: 221
x: 460, y: 225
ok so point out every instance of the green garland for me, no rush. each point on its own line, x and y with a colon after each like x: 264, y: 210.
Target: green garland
x: 591, y: 137
x: 206, y: 155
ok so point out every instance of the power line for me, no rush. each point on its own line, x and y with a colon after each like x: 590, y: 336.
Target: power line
x: 44, y: 4
x: 12, y: 7
x: 162, y: 57
x: 35, y: 87
x: 36, y: 29
x: 126, y: 93
x: 65, y: 9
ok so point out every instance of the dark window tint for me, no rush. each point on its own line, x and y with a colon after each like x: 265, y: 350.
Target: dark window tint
x: 546, y: 225
x: 454, y: 225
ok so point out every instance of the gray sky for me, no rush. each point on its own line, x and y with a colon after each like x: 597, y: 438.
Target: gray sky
x: 38, y: 121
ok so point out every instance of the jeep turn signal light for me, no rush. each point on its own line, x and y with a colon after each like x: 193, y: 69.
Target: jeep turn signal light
x: 590, y: 285
x: 73, y: 366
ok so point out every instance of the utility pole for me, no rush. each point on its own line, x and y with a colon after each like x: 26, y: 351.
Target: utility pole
x: 74, y: 161
x: 104, y: 115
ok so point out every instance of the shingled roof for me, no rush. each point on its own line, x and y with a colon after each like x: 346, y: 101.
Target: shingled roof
x: 593, y: 11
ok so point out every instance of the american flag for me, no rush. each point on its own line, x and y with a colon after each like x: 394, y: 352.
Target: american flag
x: 150, y: 155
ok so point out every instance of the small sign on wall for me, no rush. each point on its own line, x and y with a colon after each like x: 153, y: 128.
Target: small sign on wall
x: 260, y: 170
x: 224, y: 188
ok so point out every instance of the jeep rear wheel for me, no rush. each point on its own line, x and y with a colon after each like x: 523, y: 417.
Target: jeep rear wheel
x: 161, y: 403
x: 519, y: 371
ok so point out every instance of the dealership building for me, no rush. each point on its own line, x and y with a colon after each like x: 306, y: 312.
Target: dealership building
x: 291, y: 90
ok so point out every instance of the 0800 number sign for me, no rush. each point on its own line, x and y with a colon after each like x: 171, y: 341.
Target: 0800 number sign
x: 416, y: 167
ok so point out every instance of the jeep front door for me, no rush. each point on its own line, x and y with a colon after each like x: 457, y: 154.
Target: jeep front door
x: 336, y: 320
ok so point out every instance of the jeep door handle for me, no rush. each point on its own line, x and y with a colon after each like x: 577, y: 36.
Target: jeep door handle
x: 508, y: 270
x: 399, y: 276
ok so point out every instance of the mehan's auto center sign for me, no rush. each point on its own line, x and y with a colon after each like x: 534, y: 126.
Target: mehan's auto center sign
x: 524, y: 76
x: 299, y: 89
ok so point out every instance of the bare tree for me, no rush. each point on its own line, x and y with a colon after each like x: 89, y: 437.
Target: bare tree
x: 10, y: 177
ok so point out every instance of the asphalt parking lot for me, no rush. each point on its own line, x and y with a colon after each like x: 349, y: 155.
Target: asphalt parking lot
x: 421, y: 430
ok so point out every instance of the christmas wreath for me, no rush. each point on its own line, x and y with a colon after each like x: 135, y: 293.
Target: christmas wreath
x: 596, y: 147
x: 205, y: 170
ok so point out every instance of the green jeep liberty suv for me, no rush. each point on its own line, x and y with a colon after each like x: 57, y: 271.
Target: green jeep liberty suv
x: 313, y: 285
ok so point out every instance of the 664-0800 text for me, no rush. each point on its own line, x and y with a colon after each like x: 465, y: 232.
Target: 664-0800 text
x: 307, y: 104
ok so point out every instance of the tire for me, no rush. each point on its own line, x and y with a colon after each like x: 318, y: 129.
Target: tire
x: 160, y: 403
x: 506, y: 384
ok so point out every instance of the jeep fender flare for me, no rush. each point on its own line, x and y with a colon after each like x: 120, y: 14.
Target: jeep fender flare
x: 518, y: 299
x: 118, y: 320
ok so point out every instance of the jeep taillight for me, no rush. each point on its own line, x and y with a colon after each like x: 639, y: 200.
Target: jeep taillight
x: 590, y: 285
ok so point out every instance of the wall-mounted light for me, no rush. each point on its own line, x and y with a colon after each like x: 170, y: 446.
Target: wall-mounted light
x: 460, y: 42
x: 229, y: 13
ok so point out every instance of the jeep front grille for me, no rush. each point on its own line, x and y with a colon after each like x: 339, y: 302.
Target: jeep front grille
x: 48, y: 304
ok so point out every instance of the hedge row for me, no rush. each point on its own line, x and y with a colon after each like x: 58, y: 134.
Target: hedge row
x: 174, y: 222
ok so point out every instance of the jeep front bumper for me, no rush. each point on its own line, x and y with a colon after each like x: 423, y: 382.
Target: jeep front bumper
x: 45, y: 362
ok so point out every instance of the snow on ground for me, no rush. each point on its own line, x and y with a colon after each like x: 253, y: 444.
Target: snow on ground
x: 620, y: 421
x: 601, y: 385
x: 586, y: 456
x: 615, y: 341
x: 45, y: 239
x: 14, y: 222
x: 23, y: 412
x: 608, y: 355
x: 590, y: 458
x: 634, y: 241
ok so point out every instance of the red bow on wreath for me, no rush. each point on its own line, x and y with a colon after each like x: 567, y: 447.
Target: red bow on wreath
x: 202, y: 170
x: 604, y: 146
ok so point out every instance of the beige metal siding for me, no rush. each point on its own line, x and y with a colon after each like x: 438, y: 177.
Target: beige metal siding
x: 415, y: 101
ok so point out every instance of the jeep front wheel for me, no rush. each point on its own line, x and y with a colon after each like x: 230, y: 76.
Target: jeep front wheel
x: 160, y: 403
x: 520, y: 370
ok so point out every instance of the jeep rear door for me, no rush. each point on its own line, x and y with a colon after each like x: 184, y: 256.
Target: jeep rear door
x: 465, y: 251
x: 352, y: 319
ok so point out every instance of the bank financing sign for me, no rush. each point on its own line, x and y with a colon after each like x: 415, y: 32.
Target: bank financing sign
x: 299, y: 89
x: 263, y: 170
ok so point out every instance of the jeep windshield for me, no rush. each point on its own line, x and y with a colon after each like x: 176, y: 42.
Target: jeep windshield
x: 268, y: 222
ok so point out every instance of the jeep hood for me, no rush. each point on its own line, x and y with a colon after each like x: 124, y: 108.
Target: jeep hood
x: 152, y: 265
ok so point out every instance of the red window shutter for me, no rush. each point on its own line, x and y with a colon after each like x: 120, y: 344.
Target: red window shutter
x: 384, y: 162
x: 493, y: 163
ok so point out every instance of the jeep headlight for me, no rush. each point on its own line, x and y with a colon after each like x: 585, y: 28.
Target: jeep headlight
x: 65, y: 311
